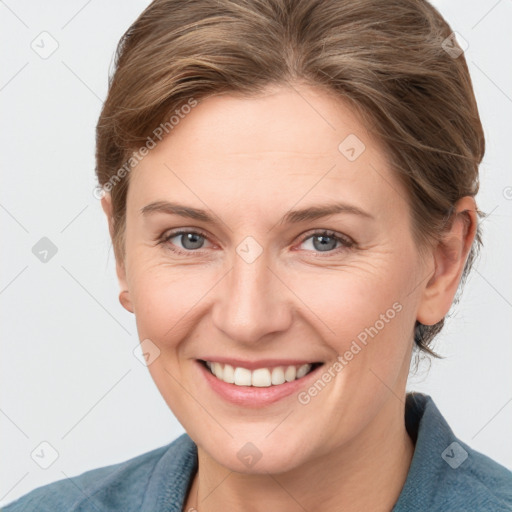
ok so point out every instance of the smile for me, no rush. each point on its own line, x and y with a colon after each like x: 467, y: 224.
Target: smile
x: 259, y: 377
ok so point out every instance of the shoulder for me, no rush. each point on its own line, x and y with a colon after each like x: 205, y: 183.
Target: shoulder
x: 473, y: 481
x: 446, y: 473
x: 115, y: 487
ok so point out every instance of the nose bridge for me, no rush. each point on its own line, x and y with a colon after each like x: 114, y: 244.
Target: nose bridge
x: 252, y: 302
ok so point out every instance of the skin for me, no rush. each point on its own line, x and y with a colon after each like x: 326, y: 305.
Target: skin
x: 248, y: 162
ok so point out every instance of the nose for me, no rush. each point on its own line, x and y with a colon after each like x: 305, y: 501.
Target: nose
x: 252, y: 302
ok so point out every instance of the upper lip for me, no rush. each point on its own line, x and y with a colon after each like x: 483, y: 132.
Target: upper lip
x: 260, y: 363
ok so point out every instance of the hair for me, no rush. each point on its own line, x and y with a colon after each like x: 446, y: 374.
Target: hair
x: 396, y: 62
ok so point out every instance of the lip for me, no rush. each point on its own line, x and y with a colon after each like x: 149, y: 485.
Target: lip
x: 254, y: 397
x: 261, y: 363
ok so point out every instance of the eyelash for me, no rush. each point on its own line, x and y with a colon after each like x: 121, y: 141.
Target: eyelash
x: 346, y: 243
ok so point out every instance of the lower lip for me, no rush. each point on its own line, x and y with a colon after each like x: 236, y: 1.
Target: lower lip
x: 251, y: 396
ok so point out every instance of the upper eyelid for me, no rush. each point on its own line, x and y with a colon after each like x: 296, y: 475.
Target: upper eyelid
x: 180, y: 231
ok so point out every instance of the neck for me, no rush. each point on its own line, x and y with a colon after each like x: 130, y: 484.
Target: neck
x: 367, y: 474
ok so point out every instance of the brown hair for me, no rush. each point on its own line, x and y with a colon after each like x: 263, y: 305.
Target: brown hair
x: 395, y: 61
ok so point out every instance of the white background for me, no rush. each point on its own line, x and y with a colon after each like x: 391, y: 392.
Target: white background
x: 68, y: 373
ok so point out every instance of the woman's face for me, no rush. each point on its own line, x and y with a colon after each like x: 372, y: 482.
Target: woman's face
x: 255, y: 284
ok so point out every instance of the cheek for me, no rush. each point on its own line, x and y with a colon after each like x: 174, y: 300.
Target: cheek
x: 164, y: 297
x: 360, y: 302
x: 367, y: 321
x: 342, y: 303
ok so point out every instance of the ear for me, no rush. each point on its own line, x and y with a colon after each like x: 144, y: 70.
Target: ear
x: 449, y: 257
x: 124, y: 294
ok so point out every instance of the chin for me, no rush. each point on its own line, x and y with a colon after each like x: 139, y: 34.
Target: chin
x: 262, y: 456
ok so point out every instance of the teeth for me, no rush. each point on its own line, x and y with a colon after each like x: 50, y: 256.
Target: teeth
x: 303, y: 370
x: 278, y: 375
x: 261, y: 378
x: 290, y: 373
x: 218, y: 370
x: 242, y: 377
x: 229, y: 374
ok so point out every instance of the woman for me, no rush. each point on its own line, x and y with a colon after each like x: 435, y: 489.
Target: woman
x: 290, y: 191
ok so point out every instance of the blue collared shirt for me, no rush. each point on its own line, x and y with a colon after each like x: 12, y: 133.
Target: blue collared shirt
x: 445, y: 475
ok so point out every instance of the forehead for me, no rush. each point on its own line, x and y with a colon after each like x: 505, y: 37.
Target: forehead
x: 290, y: 144
x: 284, y: 119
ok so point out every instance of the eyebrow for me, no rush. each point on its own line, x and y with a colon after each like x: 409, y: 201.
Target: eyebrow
x: 291, y: 217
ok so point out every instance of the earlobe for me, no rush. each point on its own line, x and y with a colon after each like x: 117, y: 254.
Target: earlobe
x: 449, y: 257
x: 124, y: 299
x: 124, y: 294
x: 106, y: 204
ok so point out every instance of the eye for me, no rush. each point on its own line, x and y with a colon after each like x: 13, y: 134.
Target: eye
x: 193, y: 241
x: 190, y: 241
x: 326, y: 241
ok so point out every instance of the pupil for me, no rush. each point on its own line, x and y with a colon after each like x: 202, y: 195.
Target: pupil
x: 193, y: 239
x: 324, y: 246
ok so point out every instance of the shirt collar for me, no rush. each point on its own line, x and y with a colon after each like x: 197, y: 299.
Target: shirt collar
x: 172, y: 476
x: 432, y: 437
